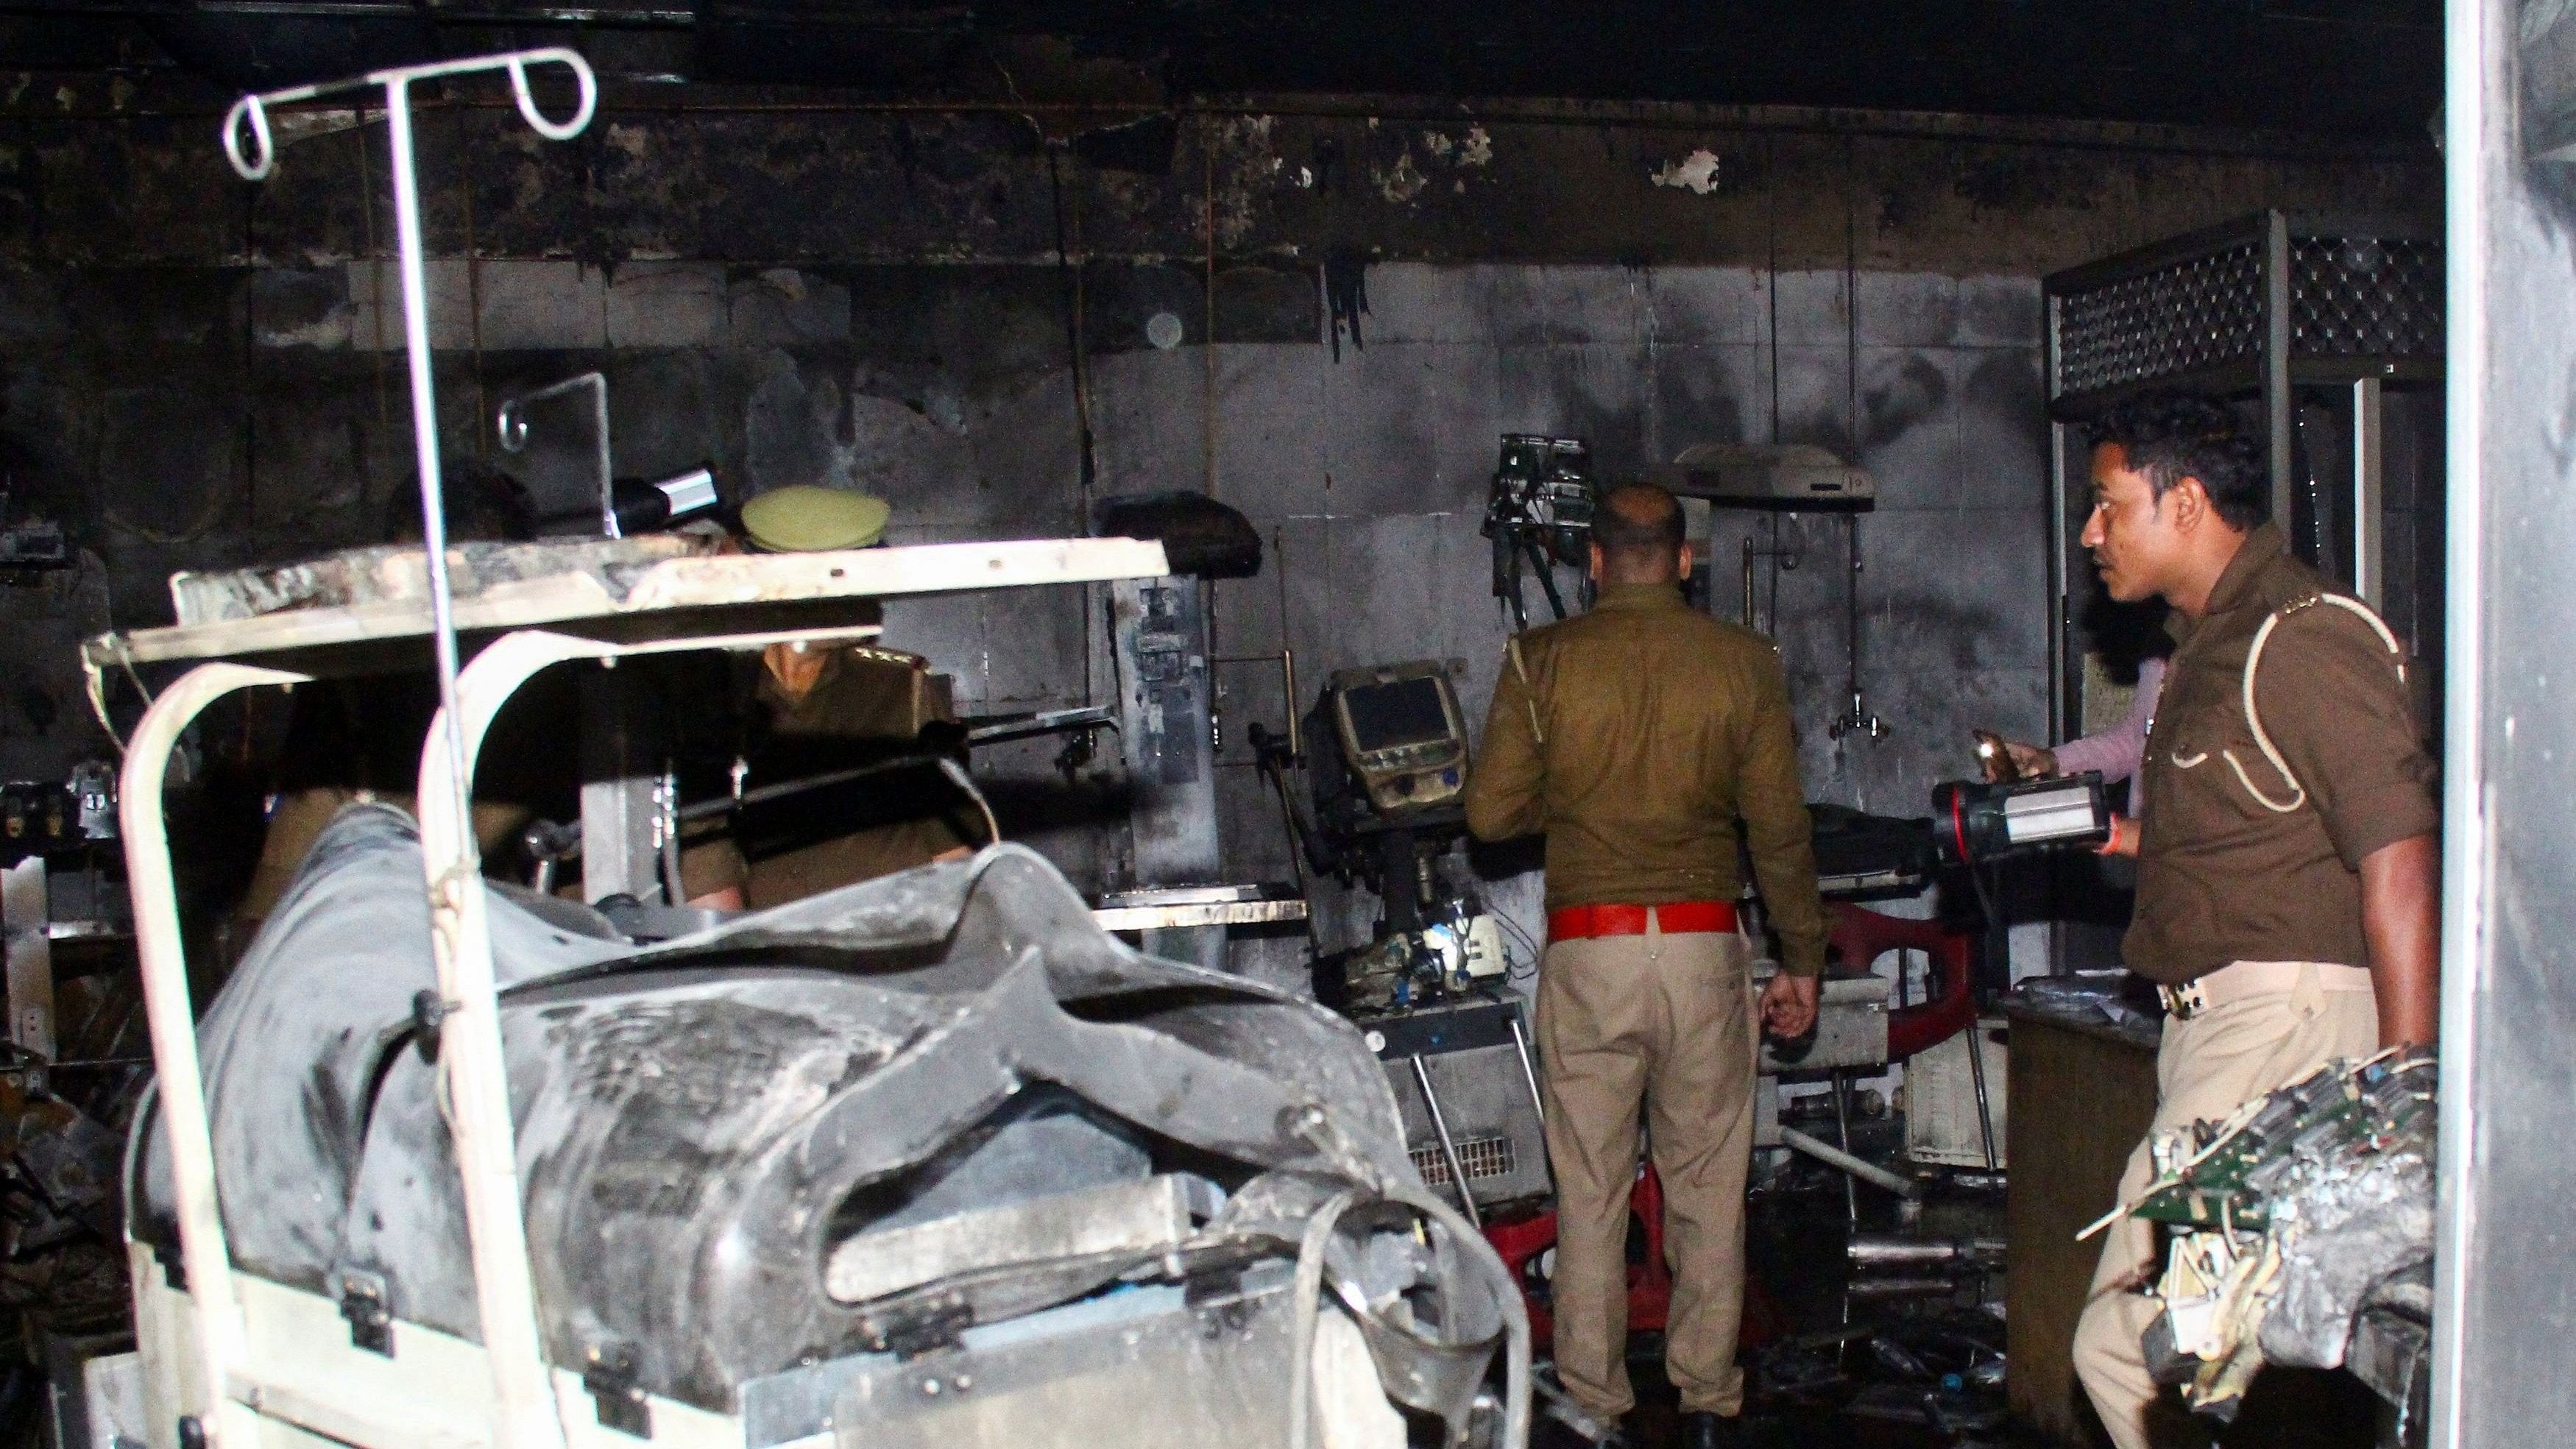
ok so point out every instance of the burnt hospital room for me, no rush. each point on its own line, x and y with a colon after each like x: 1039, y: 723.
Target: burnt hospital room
x: 1204, y: 724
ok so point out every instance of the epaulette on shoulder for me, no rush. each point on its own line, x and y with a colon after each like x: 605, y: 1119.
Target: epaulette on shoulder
x: 2363, y: 617
x: 1544, y: 636
x: 2287, y: 584
x: 2295, y: 601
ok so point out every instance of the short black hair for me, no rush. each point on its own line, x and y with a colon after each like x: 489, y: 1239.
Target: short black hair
x: 2170, y: 436
x: 1638, y: 520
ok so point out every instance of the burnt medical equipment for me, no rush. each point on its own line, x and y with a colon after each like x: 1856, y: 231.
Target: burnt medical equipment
x: 1538, y: 515
x: 1457, y: 948
x: 1384, y: 795
x: 1164, y: 659
x: 1466, y: 1082
x: 2301, y: 1235
x: 1385, y: 762
x: 998, y: 1240
x: 1981, y: 822
x: 976, y: 1144
x: 1788, y: 478
x: 47, y: 817
x: 1796, y: 476
x: 1401, y: 733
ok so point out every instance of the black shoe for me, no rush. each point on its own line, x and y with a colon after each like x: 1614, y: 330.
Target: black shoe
x: 1703, y: 1430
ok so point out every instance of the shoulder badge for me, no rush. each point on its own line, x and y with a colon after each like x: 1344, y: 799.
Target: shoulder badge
x: 2254, y: 717
x: 1529, y: 692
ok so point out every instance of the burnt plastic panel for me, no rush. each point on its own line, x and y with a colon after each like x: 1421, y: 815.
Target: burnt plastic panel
x: 701, y: 1122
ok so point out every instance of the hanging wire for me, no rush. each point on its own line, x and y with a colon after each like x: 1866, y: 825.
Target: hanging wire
x: 1771, y: 271
x: 1535, y: 955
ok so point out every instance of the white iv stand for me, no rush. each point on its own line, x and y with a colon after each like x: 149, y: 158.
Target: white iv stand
x: 524, y: 1410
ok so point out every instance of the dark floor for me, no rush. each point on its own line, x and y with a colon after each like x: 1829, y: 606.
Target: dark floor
x: 1823, y: 1368
x: 1826, y: 1369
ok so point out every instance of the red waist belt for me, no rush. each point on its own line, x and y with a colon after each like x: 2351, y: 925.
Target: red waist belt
x: 1680, y: 918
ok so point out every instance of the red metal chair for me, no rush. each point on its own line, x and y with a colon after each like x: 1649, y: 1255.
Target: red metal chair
x: 1862, y: 936
x: 1650, y: 1283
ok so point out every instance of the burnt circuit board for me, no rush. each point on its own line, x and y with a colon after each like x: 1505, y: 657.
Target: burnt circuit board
x: 2342, y: 1110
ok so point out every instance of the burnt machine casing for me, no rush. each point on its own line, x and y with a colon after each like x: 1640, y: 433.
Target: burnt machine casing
x: 1400, y: 728
x: 1485, y: 1083
x: 706, y: 1125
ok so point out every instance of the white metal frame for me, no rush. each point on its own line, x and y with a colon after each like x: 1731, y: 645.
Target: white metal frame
x: 219, y: 1335
x: 251, y: 111
x: 527, y: 1394
x: 470, y: 1059
x: 244, y: 1398
x: 2477, y: 123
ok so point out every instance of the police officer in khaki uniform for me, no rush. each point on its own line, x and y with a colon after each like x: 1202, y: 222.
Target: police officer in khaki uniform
x: 2287, y: 903
x: 833, y: 708
x: 1637, y: 737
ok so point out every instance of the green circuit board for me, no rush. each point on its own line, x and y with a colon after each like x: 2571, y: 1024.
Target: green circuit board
x: 2342, y: 1109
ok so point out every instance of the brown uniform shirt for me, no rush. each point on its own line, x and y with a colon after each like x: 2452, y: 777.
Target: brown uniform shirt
x: 2222, y: 876
x: 1662, y: 727
x: 862, y: 703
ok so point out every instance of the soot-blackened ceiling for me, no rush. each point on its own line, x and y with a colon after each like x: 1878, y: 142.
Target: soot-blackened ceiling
x: 2339, y: 67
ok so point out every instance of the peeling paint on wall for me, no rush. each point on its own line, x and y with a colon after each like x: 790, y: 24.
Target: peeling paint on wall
x: 1252, y: 167
x: 1695, y: 173
x: 1401, y: 182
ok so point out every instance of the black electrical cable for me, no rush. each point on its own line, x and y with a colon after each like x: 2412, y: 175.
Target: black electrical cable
x: 1071, y: 276
x: 1851, y: 608
x: 1536, y: 955
x: 1771, y: 614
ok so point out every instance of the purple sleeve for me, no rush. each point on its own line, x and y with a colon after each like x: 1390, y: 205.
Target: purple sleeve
x: 2116, y: 751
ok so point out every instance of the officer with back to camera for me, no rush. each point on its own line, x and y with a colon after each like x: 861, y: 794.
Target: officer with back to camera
x: 1636, y: 736
x: 2287, y: 900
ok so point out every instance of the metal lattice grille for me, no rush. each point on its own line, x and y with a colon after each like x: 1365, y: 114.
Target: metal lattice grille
x: 2362, y: 296
x: 2205, y: 310
x: 1482, y: 1157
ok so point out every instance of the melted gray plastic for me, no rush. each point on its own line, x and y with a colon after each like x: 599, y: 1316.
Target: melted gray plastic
x: 700, y: 1123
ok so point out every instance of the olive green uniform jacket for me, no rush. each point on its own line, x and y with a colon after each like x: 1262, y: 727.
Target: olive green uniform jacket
x: 1642, y: 737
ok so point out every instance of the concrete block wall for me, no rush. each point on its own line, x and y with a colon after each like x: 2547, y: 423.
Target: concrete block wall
x: 201, y: 376
x: 1369, y: 474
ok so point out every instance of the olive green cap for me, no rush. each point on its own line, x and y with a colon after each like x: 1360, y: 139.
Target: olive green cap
x: 806, y: 519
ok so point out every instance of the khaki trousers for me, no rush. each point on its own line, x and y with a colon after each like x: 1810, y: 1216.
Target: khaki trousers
x: 1666, y: 1023
x: 2206, y: 1068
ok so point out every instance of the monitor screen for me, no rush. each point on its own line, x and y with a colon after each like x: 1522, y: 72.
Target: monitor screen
x: 1405, y: 712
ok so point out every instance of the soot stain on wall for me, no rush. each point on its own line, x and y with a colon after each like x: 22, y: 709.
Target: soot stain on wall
x: 880, y: 300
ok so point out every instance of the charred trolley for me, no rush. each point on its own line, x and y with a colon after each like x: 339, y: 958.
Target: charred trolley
x: 927, y: 1160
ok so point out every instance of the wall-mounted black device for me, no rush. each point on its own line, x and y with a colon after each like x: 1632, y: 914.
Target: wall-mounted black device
x: 1539, y: 515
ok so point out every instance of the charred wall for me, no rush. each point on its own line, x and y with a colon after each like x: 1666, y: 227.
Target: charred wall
x: 196, y: 373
